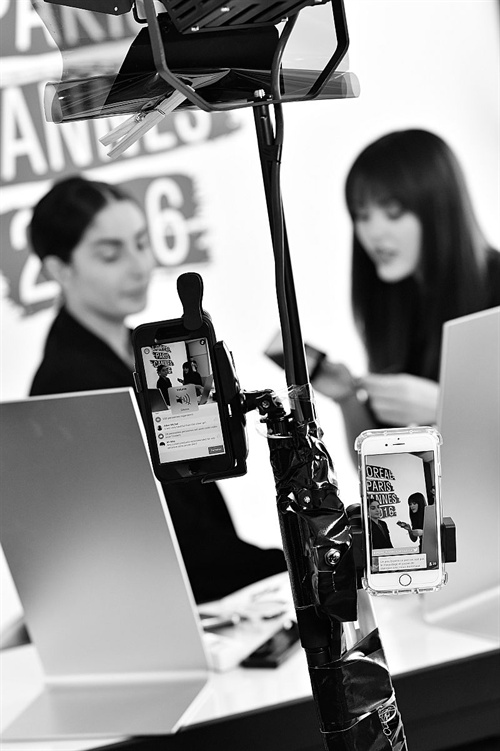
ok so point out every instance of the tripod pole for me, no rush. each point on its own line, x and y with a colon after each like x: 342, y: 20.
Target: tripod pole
x: 320, y: 636
x: 270, y: 157
x: 352, y: 688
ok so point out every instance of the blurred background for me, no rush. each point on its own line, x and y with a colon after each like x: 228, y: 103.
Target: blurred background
x: 430, y: 64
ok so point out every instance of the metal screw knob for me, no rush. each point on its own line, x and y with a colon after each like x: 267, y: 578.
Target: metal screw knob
x: 332, y: 557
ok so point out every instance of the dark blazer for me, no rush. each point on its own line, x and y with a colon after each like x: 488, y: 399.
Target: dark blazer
x: 380, y: 535
x: 217, y: 561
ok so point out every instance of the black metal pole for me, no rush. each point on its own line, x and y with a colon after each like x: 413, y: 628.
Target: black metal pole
x: 270, y: 155
x: 320, y: 636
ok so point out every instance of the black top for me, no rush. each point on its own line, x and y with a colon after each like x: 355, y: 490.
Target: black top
x: 408, y: 333
x: 164, y: 384
x: 193, y: 377
x: 380, y: 536
x: 493, y: 266
x: 75, y: 359
x: 414, y: 356
x: 217, y: 561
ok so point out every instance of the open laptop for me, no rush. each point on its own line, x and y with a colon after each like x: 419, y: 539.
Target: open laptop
x: 92, y: 552
x: 469, y: 421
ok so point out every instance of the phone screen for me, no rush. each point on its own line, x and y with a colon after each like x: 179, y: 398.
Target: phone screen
x: 180, y: 389
x: 402, y: 512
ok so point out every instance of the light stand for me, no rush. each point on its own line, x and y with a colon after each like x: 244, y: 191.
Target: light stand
x: 315, y: 532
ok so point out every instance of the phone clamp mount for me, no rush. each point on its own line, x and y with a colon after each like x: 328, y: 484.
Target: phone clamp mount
x: 190, y: 291
x: 321, y: 555
x: 448, y: 540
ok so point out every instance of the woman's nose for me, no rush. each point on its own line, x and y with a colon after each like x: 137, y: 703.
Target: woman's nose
x: 377, y: 226
x: 141, y: 263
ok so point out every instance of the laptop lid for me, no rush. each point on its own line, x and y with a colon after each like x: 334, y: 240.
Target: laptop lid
x: 469, y: 421
x: 92, y: 552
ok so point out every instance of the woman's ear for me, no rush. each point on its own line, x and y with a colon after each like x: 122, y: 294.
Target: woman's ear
x: 56, y: 269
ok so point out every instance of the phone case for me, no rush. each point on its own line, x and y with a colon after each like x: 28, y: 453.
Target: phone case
x: 418, y: 430
x: 188, y: 468
x: 396, y: 431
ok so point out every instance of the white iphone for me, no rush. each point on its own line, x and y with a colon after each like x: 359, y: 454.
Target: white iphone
x: 400, y: 473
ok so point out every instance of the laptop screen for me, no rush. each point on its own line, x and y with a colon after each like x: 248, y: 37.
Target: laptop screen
x: 469, y: 421
x: 92, y: 552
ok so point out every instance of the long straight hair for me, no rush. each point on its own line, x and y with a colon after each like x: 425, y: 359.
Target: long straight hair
x: 417, y: 517
x: 401, y: 323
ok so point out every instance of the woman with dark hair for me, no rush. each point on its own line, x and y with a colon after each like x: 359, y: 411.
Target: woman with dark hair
x: 163, y: 384
x: 191, y: 375
x: 379, y: 531
x: 416, y: 504
x: 92, y: 239
x: 419, y: 259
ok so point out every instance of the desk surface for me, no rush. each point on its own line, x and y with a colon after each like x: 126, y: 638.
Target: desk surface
x: 414, y: 650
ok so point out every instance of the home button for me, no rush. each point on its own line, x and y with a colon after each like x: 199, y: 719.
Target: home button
x: 405, y: 580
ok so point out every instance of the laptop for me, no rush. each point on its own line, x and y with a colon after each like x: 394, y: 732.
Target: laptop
x: 92, y: 552
x: 469, y: 421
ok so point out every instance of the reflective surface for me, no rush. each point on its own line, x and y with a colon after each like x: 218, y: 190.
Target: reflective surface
x: 104, y: 74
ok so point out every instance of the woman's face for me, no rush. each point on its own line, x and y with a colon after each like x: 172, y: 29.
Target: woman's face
x: 109, y: 271
x: 413, y: 506
x: 391, y: 236
x: 375, y: 511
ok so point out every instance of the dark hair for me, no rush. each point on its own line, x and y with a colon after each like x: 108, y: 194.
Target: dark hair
x: 63, y: 215
x: 417, y: 517
x: 401, y: 323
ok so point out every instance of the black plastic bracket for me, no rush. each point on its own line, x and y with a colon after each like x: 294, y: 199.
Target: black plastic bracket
x: 449, y: 540
x: 112, y: 7
x: 190, y: 290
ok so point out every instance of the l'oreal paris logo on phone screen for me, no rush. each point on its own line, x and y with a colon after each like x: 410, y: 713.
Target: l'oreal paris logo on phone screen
x: 181, y: 396
x: 402, y: 528
x: 402, y: 514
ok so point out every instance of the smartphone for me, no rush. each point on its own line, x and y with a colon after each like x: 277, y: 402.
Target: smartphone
x: 179, y: 388
x: 275, y: 650
x: 399, y: 474
x: 314, y: 356
x: 214, y: 621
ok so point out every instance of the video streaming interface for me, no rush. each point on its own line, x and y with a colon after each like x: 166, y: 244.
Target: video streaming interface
x: 181, y: 395
x: 402, y: 513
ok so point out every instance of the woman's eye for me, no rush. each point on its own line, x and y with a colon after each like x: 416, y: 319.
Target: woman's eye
x: 143, y: 244
x: 394, y: 210
x: 361, y: 215
x: 110, y: 255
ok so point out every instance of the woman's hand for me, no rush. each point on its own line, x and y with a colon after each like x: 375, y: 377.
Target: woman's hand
x: 402, y: 399
x: 404, y: 525
x: 414, y: 533
x: 334, y: 380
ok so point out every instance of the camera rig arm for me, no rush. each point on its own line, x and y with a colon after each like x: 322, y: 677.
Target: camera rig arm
x: 352, y: 688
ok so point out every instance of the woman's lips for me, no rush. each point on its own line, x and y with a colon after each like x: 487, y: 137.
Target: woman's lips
x: 384, y: 255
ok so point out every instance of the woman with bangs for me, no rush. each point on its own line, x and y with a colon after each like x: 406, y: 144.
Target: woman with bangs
x: 419, y: 259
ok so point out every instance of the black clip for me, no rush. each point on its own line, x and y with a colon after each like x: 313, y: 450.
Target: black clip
x: 190, y: 290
